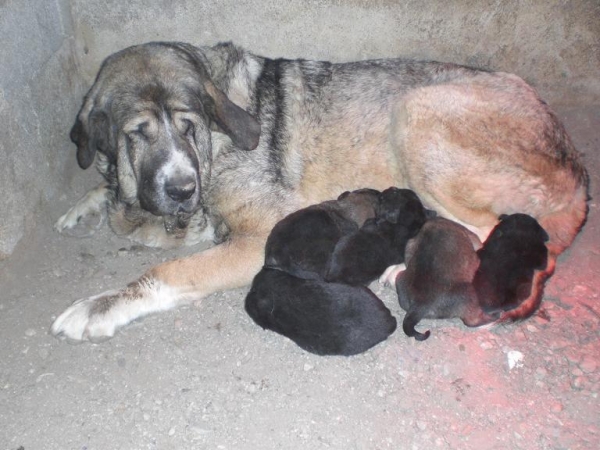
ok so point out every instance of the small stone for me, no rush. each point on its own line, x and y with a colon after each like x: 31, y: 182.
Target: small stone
x: 123, y: 252
x: 579, y: 382
x: 588, y: 364
x: 146, y: 417
x: 557, y: 407
x: 540, y: 373
x: 172, y: 431
x: 308, y: 367
x: 515, y: 359
x: 421, y: 425
x: 486, y: 345
x: 576, y: 372
x: 558, y: 344
x: 531, y: 329
x: 461, y: 347
x: 30, y: 332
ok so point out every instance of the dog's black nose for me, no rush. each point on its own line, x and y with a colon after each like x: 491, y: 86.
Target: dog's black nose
x: 180, y: 189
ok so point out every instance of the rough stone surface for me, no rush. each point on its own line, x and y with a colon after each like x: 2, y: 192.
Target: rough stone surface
x: 206, y: 376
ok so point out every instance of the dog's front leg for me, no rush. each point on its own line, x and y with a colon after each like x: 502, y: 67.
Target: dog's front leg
x: 87, y: 215
x: 229, y: 265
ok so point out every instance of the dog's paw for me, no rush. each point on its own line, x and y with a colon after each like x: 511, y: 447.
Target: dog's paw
x: 80, y: 223
x: 391, y: 273
x: 88, y: 319
x: 87, y: 216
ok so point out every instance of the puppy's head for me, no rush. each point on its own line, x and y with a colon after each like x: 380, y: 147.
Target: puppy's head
x: 402, y: 207
x: 359, y: 205
x: 148, y: 118
x: 521, y: 235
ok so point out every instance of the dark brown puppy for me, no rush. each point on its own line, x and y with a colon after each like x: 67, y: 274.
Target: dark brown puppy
x: 289, y: 295
x: 361, y: 257
x: 302, y: 243
x: 508, y: 260
x: 322, y: 318
x: 440, y: 264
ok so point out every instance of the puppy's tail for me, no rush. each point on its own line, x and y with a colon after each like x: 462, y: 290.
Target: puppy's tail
x: 412, y: 318
x: 531, y: 304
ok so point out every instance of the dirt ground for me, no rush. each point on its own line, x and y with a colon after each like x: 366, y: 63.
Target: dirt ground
x: 207, y: 377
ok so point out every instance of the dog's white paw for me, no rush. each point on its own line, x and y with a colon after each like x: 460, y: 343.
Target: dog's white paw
x: 86, y: 216
x: 87, y: 319
x: 80, y: 225
x: 391, y: 273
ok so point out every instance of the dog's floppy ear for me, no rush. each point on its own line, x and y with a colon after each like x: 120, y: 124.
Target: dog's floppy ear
x: 91, y: 137
x: 240, y: 126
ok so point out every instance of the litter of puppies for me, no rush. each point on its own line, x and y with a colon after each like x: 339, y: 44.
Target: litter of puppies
x: 320, y: 260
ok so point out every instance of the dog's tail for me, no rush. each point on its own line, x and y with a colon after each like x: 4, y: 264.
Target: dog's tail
x: 412, y: 318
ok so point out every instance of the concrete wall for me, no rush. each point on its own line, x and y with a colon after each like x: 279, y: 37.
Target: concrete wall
x: 39, y: 84
x: 51, y: 50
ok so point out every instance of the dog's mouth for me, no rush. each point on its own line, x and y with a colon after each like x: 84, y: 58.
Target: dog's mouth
x: 177, y: 224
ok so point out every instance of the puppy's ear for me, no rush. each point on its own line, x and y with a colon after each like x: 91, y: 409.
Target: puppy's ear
x: 502, y: 216
x: 240, y: 126
x: 91, y: 137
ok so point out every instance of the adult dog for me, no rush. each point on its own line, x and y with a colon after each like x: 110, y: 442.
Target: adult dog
x: 216, y: 142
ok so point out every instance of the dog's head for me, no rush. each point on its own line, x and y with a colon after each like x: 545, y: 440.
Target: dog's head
x: 149, y: 116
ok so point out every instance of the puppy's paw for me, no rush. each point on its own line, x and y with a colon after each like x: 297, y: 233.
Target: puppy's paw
x: 89, y: 319
x: 391, y: 273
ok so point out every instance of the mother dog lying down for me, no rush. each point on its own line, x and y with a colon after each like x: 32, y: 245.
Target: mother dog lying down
x: 218, y: 143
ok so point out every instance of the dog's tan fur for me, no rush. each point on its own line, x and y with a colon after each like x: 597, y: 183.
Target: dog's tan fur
x: 473, y: 145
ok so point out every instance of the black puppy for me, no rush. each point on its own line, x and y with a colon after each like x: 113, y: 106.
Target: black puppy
x: 322, y: 318
x: 290, y: 296
x: 302, y: 243
x: 441, y: 262
x: 512, y: 253
x: 360, y: 257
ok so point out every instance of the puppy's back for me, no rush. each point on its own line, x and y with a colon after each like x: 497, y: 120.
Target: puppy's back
x: 322, y: 318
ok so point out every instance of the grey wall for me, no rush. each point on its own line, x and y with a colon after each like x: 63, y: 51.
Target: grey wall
x: 51, y: 50
x: 38, y: 88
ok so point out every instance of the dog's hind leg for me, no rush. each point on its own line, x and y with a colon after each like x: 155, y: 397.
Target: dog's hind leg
x: 229, y: 265
x: 87, y: 215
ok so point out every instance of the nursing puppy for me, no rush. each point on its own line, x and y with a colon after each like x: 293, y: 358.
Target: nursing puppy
x: 441, y: 262
x: 302, y: 243
x: 322, y: 318
x: 361, y: 257
x: 289, y: 295
x: 509, y: 258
